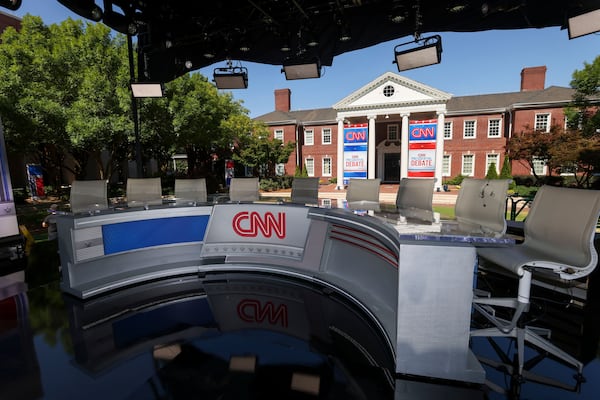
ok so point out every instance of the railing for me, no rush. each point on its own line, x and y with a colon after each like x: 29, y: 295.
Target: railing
x: 515, y: 204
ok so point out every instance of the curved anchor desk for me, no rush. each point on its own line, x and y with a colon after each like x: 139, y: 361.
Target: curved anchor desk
x: 354, y: 255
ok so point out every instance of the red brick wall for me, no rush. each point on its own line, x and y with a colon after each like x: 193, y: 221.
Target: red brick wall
x: 318, y: 151
x: 533, y: 78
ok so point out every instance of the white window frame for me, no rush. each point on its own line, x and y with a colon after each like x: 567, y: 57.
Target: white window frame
x: 447, y: 130
x: 309, y: 137
x: 326, y: 203
x: 537, y: 122
x: 396, y: 133
x: 324, y: 136
x: 497, y: 134
x: 537, y: 163
x: 472, y: 164
x: 488, y: 161
x: 446, y: 165
x: 280, y: 169
x: 327, y: 165
x: 474, y: 136
x: 309, y: 163
x: 278, y: 134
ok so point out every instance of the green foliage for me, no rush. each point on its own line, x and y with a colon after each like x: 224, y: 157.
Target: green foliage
x: 491, y: 172
x: 457, y: 180
x: 301, y: 172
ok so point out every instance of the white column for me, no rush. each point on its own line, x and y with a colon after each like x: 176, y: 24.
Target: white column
x: 371, y: 147
x: 439, y: 150
x: 404, y: 147
x: 340, y: 153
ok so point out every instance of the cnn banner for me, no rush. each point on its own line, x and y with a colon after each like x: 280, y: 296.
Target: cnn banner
x: 355, y: 151
x: 421, y: 148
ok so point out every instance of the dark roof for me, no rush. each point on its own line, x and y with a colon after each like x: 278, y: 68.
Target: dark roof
x: 171, y: 34
x: 554, y: 96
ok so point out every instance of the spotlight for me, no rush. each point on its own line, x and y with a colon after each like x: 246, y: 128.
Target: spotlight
x: 427, y: 51
x: 231, y: 77
x: 302, y: 68
x: 86, y: 8
x: 584, y: 24
x: 147, y: 89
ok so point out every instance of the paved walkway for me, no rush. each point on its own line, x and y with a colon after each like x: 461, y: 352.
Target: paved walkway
x: 387, y: 194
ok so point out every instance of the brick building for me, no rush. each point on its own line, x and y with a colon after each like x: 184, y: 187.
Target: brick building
x: 464, y: 134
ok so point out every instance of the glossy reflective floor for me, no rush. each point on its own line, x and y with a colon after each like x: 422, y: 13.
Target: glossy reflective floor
x: 232, y: 336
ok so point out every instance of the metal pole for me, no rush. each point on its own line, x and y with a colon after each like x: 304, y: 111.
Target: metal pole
x: 134, y: 110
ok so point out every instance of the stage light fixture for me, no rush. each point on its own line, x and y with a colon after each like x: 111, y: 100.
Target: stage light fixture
x: 147, y: 89
x: 302, y: 68
x: 86, y: 8
x: 584, y: 24
x: 231, y: 77
x: 426, y: 51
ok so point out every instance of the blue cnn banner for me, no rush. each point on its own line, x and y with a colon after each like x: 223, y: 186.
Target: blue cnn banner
x: 422, y: 148
x: 355, y: 151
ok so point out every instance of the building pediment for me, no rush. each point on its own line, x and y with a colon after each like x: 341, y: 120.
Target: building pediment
x: 391, y: 90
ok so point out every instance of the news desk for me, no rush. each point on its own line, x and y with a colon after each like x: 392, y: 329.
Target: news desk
x: 417, y: 287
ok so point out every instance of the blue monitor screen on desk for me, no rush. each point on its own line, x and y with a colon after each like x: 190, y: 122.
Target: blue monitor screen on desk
x: 134, y: 235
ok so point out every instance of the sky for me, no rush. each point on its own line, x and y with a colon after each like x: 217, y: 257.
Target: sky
x: 472, y: 63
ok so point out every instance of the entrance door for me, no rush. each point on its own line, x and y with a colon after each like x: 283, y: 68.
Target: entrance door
x: 391, y: 171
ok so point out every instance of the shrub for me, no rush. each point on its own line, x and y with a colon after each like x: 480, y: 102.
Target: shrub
x: 491, y: 172
x: 457, y: 180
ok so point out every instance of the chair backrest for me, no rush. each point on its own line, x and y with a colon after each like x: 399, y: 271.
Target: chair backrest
x: 88, y: 196
x: 415, y: 198
x: 143, y: 191
x: 481, y: 205
x: 190, y: 190
x: 305, y: 190
x: 363, y: 194
x: 561, y: 225
x: 244, y: 189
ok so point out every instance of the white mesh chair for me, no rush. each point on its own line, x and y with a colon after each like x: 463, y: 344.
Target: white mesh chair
x: 559, y: 234
x: 481, y: 206
x: 244, y: 190
x: 415, y: 198
x: 190, y: 191
x: 88, y: 196
x: 143, y: 192
x: 305, y: 191
x: 363, y: 194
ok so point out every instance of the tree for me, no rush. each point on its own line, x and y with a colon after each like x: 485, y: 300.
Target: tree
x: 491, y: 172
x: 64, y: 90
x: 531, y: 146
x: 584, y: 113
x: 257, y: 149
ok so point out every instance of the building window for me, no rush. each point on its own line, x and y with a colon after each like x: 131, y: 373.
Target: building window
x: 542, y: 122
x: 469, y: 129
x: 494, y: 128
x: 492, y: 158
x: 468, y: 162
x: 280, y: 169
x: 310, y: 166
x: 539, y: 166
x: 446, y: 165
x: 326, y: 203
x: 327, y: 166
x: 278, y: 134
x: 392, y: 132
x: 447, y: 130
x: 309, y: 137
x: 388, y: 91
x: 326, y: 135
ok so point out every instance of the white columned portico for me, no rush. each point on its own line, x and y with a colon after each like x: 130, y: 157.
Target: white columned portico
x: 371, y: 147
x: 404, y: 146
x: 340, y: 153
x: 439, y: 153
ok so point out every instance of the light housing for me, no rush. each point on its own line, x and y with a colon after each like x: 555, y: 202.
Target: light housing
x: 231, y: 77
x: 147, y: 89
x: 426, y: 51
x: 584, y: 24
x: 302, y: 68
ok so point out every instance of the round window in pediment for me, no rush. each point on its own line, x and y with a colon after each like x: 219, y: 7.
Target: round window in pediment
x: 388, y: 91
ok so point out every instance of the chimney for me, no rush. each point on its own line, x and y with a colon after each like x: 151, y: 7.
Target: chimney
x: 533, y: 78
x: 283, y: 99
